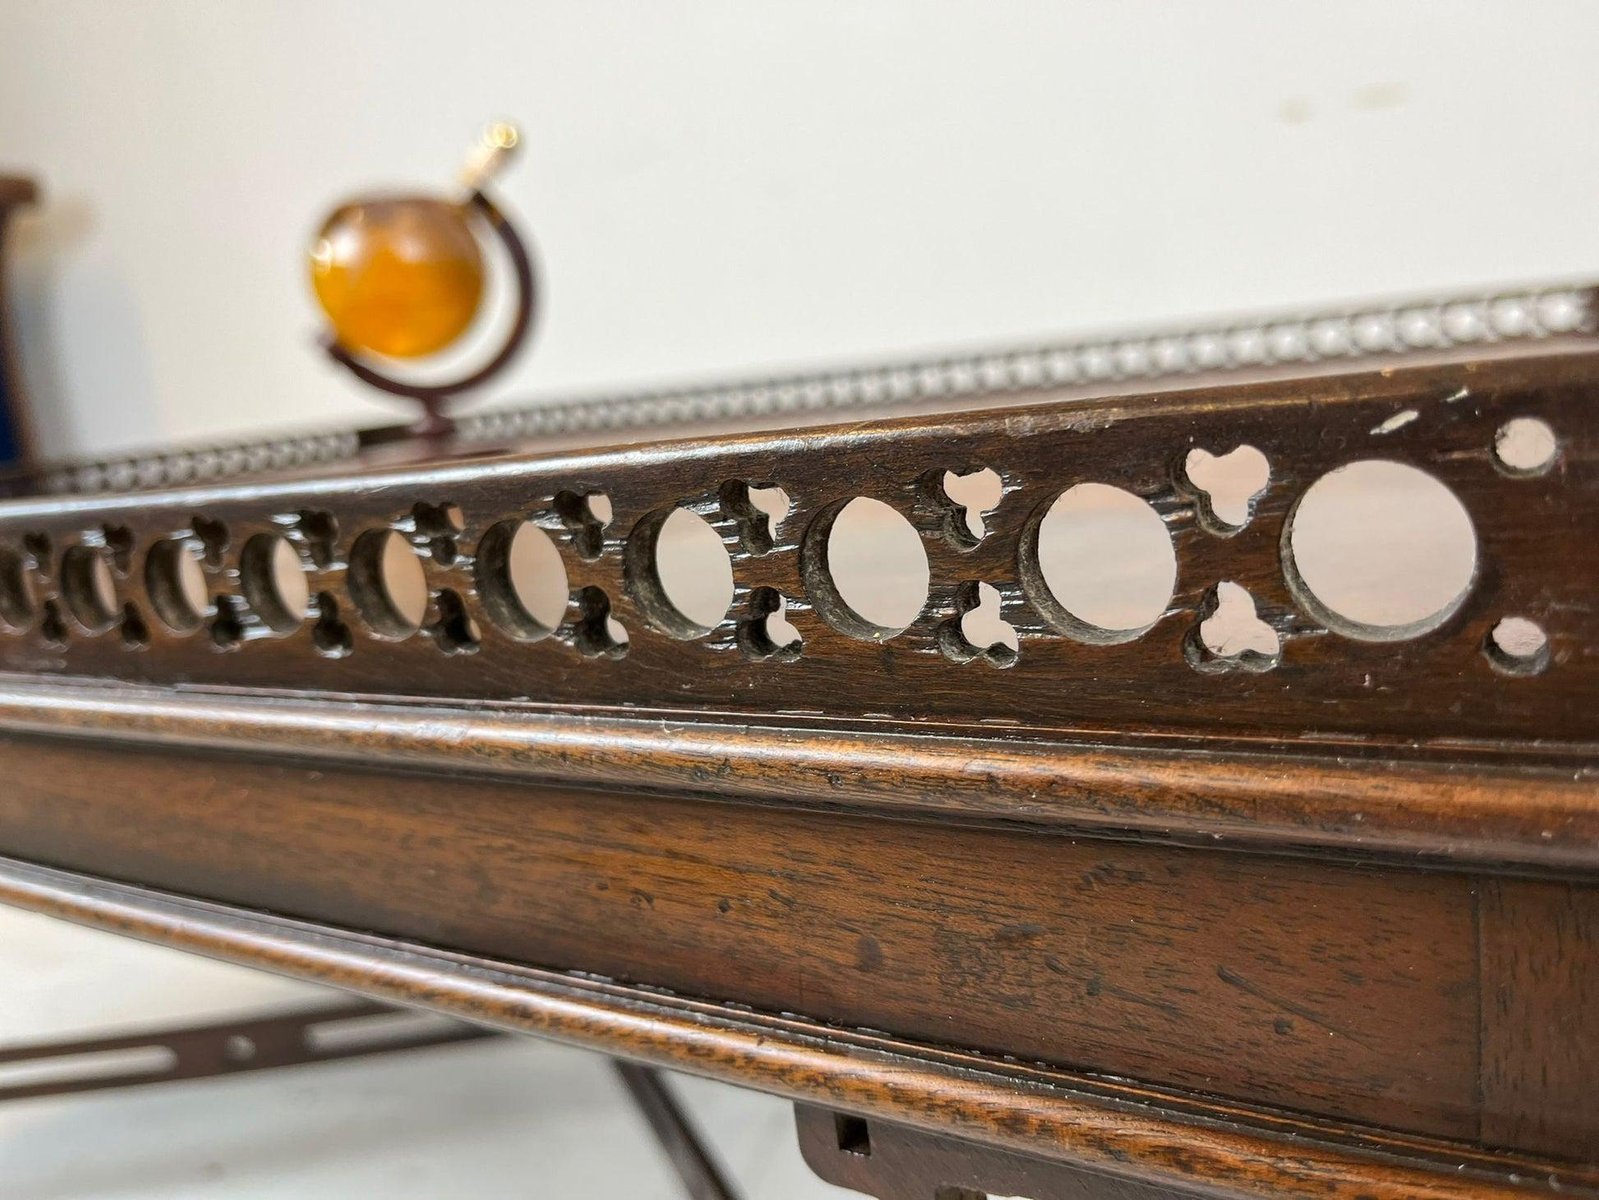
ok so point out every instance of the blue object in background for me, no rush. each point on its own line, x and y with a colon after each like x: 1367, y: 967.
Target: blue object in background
x: 15, y: 192
x: 10, y: 449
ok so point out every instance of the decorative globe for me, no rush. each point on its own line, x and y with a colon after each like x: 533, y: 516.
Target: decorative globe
x: 400, y: 277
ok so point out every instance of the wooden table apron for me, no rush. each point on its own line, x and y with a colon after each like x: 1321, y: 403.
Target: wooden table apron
x: 1347, y: 901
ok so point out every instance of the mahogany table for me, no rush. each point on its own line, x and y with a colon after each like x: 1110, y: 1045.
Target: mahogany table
x: 1094, y: 915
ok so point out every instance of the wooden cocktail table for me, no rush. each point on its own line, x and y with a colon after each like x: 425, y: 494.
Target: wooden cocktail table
x: 1111, y: 912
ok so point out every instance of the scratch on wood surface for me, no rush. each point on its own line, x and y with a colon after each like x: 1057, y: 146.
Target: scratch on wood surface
x: 1238, y: 981
x: 1098, y: 986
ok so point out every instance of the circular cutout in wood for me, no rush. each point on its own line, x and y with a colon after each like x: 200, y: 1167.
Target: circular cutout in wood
x: 866, y: 568
x: 1517, y: 646
x: 274, y: 582
x: 19, y: 600
x: 86, y: 583
x: 1525, y: 446
x: 387, y: 583
x: 176, y: 582
x: 679, y: 572
x: 522, y: 580
x: 1380, y: 551
x: 1099, y: 564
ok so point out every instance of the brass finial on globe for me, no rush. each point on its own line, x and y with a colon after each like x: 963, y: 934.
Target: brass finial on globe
x: 403, y: 277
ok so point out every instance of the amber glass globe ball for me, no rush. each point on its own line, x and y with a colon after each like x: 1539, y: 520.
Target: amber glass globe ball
x: 400, y: 277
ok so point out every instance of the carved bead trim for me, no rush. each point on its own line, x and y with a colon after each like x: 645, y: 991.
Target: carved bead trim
x: 1342, y: 334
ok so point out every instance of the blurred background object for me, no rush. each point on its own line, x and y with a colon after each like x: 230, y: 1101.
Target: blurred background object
x: 723, y: 188
x: 16, y: 440
x: 402, y: 276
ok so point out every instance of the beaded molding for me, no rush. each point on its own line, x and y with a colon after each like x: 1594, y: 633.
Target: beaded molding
x: 1389, y: 330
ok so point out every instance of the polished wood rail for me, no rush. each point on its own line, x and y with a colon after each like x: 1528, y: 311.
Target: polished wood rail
x: 1311, y: 915
x: 1177, y: 1140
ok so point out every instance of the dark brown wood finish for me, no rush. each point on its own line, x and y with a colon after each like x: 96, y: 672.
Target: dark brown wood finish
x: 892, y: 1162
x: 1540, y: 1016
x: 1336, y: 989
x: 1466, y: 808
x: 1335, y: 916
x: 1534, y: 539
x: 1132, y: 1130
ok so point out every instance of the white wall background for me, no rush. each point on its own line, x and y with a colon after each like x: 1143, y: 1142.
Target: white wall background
x: 723, y: 186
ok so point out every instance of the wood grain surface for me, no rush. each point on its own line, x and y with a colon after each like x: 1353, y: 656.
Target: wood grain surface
x: 1167, y: 1138
x: 1314, y: 924
x: 1540, y: 1017
x: 893, y: 1162
x: 1341, y: 990
x: 1453, y: 805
